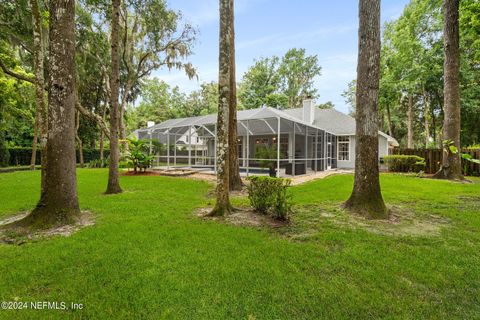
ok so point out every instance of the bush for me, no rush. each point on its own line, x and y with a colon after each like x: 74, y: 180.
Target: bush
x: 21, y: 156
x: 125, y: 165
x: 138, y: 154
x: 266, y: 153
x: 405, y: 163
x: 270, y: 196
x: 98, y: 163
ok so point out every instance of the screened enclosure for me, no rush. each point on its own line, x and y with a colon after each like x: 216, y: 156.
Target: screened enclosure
x: 269, y: 141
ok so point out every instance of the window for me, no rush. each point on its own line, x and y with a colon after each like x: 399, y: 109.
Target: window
x: 344, y: 148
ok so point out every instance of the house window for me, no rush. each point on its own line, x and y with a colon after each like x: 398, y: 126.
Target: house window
x: 344, y: 148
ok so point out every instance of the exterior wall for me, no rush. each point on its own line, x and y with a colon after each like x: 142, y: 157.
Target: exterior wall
x: 382, y: 146
x: 350, y: 164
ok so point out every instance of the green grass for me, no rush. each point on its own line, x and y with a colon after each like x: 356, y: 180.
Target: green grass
x: 149, y: 257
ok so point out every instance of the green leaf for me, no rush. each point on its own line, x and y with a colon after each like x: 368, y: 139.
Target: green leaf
x: 453, y: 149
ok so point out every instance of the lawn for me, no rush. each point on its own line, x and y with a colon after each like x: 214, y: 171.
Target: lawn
x: 148, y: 256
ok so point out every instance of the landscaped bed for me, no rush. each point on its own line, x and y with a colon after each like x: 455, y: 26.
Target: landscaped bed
x: 149, y: 255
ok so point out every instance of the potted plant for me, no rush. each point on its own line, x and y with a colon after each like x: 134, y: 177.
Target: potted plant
x: 265, y: 153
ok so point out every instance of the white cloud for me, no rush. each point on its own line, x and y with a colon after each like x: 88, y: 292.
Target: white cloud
x: 286, y: 39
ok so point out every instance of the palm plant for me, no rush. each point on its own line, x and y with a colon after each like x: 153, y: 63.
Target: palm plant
x: 138, y: 154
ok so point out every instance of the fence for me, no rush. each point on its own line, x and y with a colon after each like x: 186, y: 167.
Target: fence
x: 21, y: 156
x: 433, y: 159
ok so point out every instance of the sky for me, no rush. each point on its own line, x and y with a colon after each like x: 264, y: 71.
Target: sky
x: 264, y: 28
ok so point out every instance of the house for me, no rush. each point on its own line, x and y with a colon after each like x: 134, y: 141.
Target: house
x: 303, y: 140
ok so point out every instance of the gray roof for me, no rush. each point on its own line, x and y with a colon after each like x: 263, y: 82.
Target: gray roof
x: 331, y: 120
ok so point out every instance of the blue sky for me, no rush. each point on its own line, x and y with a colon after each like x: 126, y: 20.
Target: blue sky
x: 264, y: 28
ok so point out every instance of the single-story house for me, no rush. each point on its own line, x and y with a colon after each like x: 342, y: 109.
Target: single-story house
x: 303, y: 139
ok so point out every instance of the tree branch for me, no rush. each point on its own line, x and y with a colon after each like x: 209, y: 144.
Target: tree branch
x: 93, y: 116
x: 16, y: 75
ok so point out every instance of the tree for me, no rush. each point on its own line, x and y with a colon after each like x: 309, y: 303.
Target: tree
x: 279, y: 83
x: 451, y: 162
x: 298, y: 71
x: 202, y: 102
x: 366, y: 198
x: 222, y: 205
x: 235, y: 181
x: 260, y: 83
x: 113, y: 180
x: 58, y: 204
x: 326, y: 105
x: 41, y: 123
x: 350, y: 97
x: 148, y: 45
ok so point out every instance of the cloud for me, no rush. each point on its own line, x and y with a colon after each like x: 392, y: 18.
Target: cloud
x: 298, y: 38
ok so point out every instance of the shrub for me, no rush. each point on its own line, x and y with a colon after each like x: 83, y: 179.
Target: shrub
x: 266, y: 153
x: 98, y: 163
x: 270, y: 196
x: 405, y: 163
x: 138, y: 154
x: 125, y: 165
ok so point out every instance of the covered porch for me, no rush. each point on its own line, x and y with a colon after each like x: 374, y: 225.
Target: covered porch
x: 294, y: 147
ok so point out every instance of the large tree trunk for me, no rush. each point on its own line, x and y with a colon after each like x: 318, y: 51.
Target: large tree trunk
x: 366, y: 198
x: 410, y: 122
x: 41, y: 105
x: 235, y: 180
x: 59, y: 202
x: 113, y: 179
x: 451, y: 162
x: 223, y: 206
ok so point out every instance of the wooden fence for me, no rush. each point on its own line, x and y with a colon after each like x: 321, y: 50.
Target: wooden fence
x: 433, y: 159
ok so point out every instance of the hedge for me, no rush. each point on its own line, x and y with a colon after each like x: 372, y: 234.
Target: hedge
x: 404, y: 163
x: 21, y: 156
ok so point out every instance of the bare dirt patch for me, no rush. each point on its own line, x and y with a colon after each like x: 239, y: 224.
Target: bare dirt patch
x: 138, y: 173
x: 243, y: 217
x: 168, y: 173
x: 21, y: 236
x: 402, y: 221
